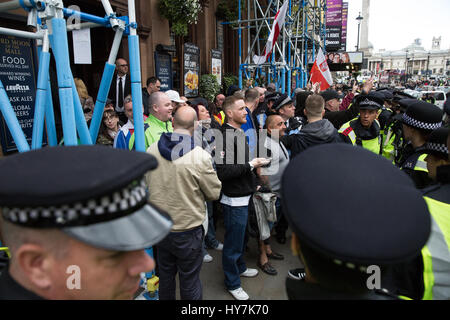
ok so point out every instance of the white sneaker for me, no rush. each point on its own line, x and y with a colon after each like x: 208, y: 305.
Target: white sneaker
x: 219, y: 247
x: 207, y: 258
x: 239, y: 294
x: 249, y: 273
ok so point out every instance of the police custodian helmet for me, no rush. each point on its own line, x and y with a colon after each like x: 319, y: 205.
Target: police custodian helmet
x: 94, y: 194
x: 366, y: 218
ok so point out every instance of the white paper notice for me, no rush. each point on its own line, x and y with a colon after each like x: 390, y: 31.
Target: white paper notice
x: 82, y: 46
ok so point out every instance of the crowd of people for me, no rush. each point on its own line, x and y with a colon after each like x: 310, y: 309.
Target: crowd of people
x: 230, y: 158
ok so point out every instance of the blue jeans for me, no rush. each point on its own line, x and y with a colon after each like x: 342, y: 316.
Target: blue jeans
x: 235, y: 222
x: 210, y: 238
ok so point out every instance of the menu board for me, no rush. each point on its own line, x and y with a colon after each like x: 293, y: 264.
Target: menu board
x: 163, y: 68
x: 220, y: 35
x: 18, y: 74
x: 216, y: 64
x: 191, y: 70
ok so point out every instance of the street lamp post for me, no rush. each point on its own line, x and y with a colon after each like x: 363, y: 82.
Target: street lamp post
x: 406, y: 66
x: 359, y: 19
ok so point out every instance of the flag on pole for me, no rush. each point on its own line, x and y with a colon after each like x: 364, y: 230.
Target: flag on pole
x: 274, y: 33
x: 320, y: 72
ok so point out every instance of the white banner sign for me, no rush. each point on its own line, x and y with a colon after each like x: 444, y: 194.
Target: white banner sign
x: 82, y: 46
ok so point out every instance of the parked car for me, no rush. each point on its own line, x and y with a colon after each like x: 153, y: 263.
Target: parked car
x: 445, y: 89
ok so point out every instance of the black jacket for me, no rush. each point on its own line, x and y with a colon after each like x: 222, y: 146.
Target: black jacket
x: 406, y: 279
x: 420, y: 178
x: 301, y: 290
x: 112, y: 90
x: 311, y: 134
x: 11, y: 290
x: 233, y: 169
x: 145, y: 97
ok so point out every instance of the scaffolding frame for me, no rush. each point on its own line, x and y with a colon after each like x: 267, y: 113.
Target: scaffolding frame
x: 48, y: 17
x: 303, y: 33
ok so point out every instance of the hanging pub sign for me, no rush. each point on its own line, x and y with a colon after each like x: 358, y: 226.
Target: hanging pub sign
x: 18, y: 74
x: 163, y: 70
x: 216, y: 64
x: 191, y: 70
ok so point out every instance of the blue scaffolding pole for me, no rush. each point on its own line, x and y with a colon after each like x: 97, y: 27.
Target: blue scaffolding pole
x: 302, y: 33
x: 48, y: 17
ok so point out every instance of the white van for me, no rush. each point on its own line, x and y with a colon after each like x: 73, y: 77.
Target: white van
x: 439, y: 96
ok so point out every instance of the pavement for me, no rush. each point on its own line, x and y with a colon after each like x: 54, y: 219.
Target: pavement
x: 261, y: 287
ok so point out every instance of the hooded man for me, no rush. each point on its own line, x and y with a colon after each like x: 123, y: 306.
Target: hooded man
x: 317, y: 130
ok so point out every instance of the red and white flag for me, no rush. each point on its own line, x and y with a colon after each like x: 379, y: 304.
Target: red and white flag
x: 320, y: 72
x: 274, y: 33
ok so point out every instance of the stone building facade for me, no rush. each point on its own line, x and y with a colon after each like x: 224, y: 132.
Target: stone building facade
x: 413, y: 60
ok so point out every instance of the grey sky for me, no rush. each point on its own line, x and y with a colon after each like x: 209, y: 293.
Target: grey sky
x: 394, y: 24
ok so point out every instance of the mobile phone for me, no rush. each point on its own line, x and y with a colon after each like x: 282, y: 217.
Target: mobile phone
x: 268, y: 164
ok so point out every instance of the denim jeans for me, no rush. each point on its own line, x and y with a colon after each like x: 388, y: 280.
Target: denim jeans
x: 235, y: 222
x: 281, y: 226
x: 210, y: 238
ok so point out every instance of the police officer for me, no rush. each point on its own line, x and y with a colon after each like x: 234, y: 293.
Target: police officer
x: 392, y: 134
x: 271, y: 98
x: 427, y: 276
x: 344, y: 240
x: 365, y: 130
x: 419, y: 120
x: 436, y: 254
x: 447, y: 113
x: 79, y: 212
x: 386, y: 111
x: 284, y: 106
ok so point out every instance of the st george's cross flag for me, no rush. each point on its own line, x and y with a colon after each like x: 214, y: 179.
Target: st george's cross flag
x: 274, y: 33
x: 320, y: 72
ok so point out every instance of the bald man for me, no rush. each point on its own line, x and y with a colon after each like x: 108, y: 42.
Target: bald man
x: 120, y: 87
x: 271, y: 177
x: 159, y: 119
x: 182, y: 183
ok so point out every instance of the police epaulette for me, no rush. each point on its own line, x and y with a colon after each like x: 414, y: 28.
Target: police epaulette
x: 347, y: 131
x: 431, y: 188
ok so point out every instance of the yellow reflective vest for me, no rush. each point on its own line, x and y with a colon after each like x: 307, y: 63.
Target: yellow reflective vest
x: 436, y: 254
x: 374, y: 145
